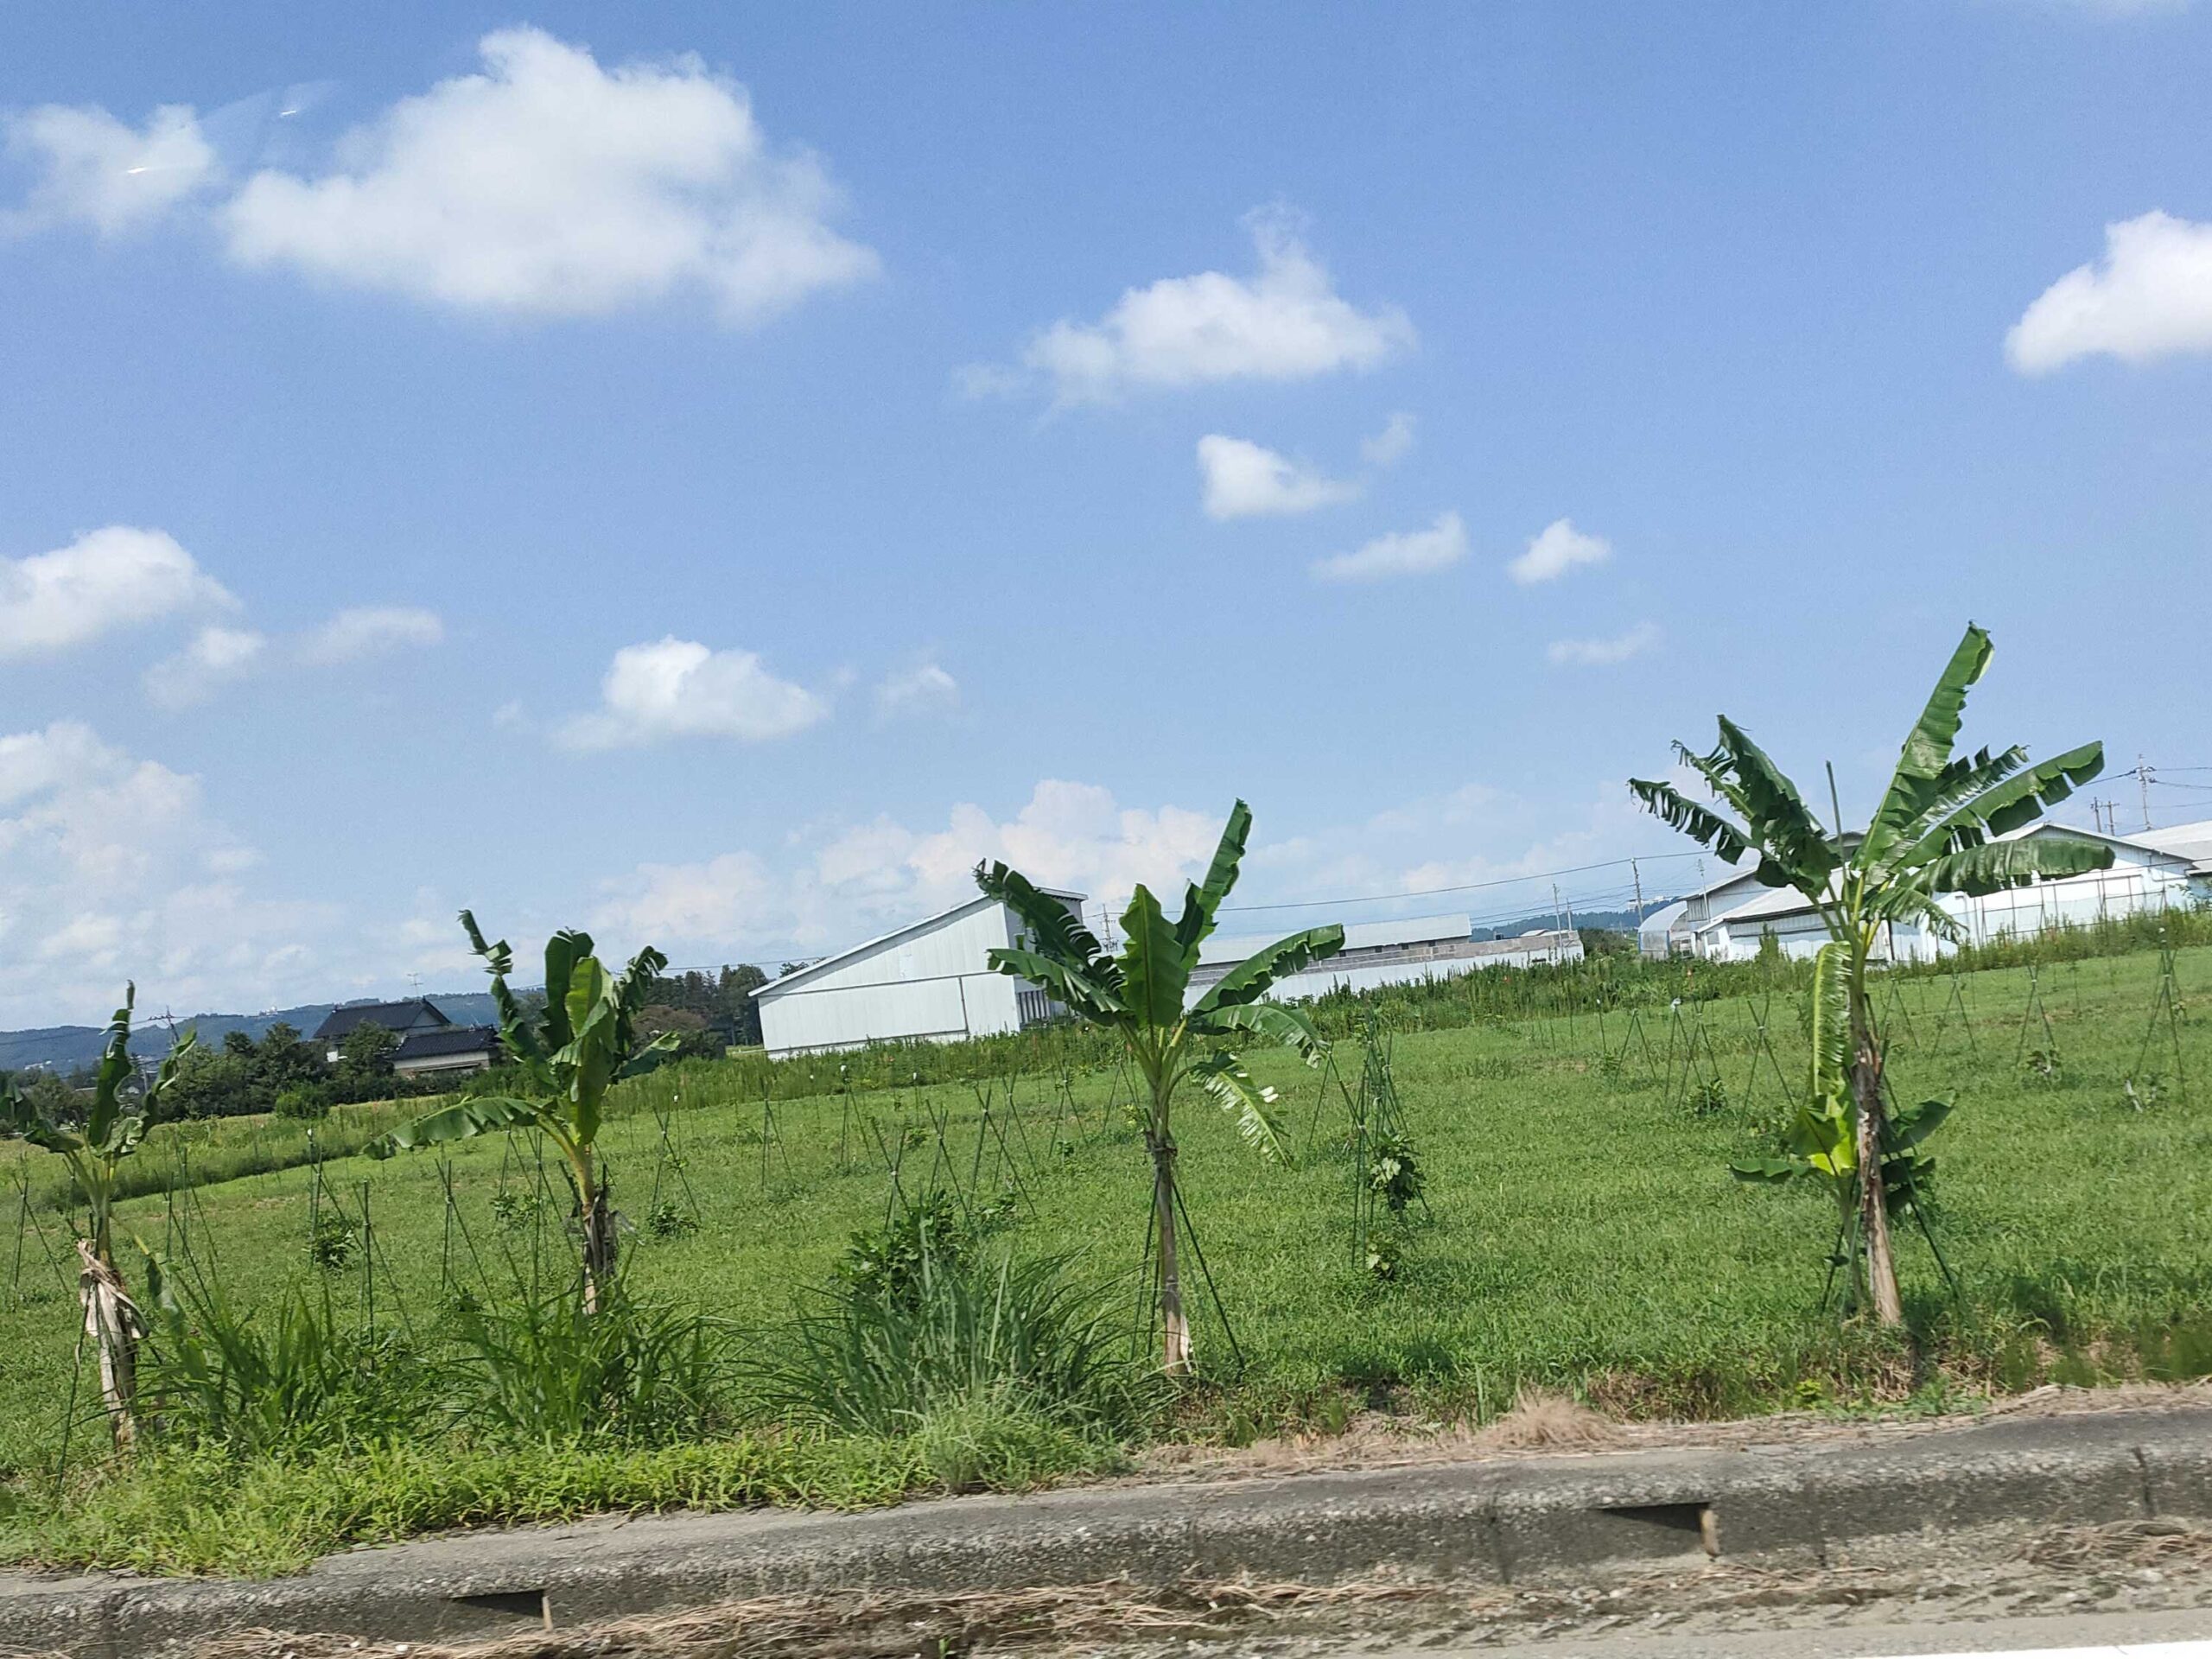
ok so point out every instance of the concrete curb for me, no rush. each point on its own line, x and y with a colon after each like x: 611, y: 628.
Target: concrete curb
x: 1475, y: 1523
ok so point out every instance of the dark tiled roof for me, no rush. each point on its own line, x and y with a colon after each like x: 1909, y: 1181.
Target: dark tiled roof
x: 454, y: 1039
x: 392, y: 1016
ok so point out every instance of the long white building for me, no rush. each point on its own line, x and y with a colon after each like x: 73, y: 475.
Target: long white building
x: 930, y: 981
x: 1417, y: 950
x: 933, y: 981
x: 2158, y: 869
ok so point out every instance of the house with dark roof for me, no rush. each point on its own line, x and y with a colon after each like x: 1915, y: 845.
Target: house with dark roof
x: 457, y: 1049
x: 402, y: 1020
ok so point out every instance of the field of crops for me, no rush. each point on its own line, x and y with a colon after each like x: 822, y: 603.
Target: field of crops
x: 1578, y: 1226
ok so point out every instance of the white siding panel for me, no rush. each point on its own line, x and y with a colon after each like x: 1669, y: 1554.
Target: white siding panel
x: 929, y: 982
x: 953, y: 948
x: 2141, y: 879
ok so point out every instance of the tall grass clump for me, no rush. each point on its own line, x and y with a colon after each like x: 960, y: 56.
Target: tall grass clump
x: 919, y: 1329
x: 546, y: 1368
x: 275, y: 1380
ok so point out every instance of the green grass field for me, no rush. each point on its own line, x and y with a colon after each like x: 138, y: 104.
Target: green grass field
x: 1584, y: 1231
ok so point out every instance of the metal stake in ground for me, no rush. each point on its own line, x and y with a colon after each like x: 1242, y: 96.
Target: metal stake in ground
x: 2166, y: 1001
x: 2030, y: 1013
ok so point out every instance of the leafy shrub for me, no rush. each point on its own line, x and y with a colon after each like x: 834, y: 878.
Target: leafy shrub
x: 331, y: 1246
x: 303, y: 1101
x: 512, y: 1212
x: 1394, y: 1170
x: 887, y: 1262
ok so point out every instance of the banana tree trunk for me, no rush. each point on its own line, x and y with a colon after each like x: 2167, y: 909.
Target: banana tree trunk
x: 599, y: 1241
x: 1874, y: 1213
x: 113, y: 1327
x: 1175, y: 1351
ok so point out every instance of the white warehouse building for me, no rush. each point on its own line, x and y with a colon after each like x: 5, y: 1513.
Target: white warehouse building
x: 1417, y: 950
x: 933, y: 981
x: 2158, y: 869
x: 930, y: 981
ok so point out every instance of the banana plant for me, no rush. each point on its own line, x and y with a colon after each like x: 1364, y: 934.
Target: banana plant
x: 1142, y: 993
x: 579, y: 1045
x: 115, y: 1125
x: 1821, y: 1141
x: 1943, y: 825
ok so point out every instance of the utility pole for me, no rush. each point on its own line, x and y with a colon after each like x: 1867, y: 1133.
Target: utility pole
x: 2144, y: 773
x: 1637, y: 876
x: 1555, y: 909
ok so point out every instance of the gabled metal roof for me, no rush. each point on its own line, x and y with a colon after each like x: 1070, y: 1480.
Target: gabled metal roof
x: 776, y: 986
x: 2191, y: 840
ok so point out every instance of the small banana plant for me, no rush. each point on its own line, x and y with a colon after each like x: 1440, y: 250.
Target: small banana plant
x: 1821, y: 1141
x: 579, y: 1045
x: 1142, y: 993
x: 115, y: 1126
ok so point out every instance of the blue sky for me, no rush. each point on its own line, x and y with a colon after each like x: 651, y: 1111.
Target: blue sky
x: 712, y: 474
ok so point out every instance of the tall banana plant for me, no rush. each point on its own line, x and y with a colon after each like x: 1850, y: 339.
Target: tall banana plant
x: 115, y: 1124
x: 1140, y: 994
x: 582, y: 1043
x: 1939, y: 828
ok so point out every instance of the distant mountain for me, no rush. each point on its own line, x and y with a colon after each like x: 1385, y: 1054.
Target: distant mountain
x: 64, y: 1048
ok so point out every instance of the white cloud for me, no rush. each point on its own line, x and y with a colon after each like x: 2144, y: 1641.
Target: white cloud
x: 1601, y: 653
x: 96, y: 171
x: 215, y: 657
x: 1558, y: 549
x: 548, y: 186
x: 832, y: 887
x: 111, y: 869
x: 678, y: 687
x: 846, y: 884
x: 1243, y: 480
x: 1286, y: 322
x: 106, y: 580
x: 730, y: 899
x: 1390, y: 445
x: 1403, y: 553
x: 2151, y: 296
x: 371, y: 631
x: 218, y: 657
x: 925, y: 689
